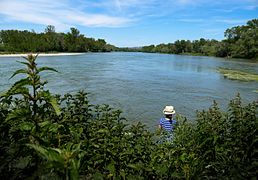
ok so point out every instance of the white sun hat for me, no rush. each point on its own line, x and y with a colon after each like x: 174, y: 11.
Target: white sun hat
x: 169, y: 110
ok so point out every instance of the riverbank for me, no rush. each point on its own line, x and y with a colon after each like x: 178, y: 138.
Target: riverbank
x: 197, y: 54
x: 40, y: 54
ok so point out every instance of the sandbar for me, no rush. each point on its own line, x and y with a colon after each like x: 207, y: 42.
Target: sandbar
x: 40, y: 54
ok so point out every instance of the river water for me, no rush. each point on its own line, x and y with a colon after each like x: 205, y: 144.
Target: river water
x: 141, y: 84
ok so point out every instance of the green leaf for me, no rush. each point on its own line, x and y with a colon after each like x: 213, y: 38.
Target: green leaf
x: 46, y: 69
x: 74, y: 172
x: 22, y: 162
x: 44, y: 94
x: 111, y: 167
x: 2, y: 94
x: 40, y: 150
x: 49, y: 154
x: 50, y: 99
x: 45, y: 123
x: 22, y: 113
x: 54, y: 127
x: 103, y: 131
x: 26, y: 126
x: 19, y: 71
x: 21, y: 90
x: 183, y: 156
x: 97, y: 176
x: 59, y: 151
x: 20, y: 83
x: 18, y: 88
x: 134, y: 166
x: 55, y: 105
x: 27, y: 64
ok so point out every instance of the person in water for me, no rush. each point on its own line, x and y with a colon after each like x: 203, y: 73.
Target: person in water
x: 167, y: 122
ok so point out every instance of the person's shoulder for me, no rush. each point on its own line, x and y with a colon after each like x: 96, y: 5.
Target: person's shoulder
x: 161, y: 119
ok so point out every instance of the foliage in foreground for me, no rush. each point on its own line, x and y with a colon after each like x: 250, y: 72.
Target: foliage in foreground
x: 65, y: 137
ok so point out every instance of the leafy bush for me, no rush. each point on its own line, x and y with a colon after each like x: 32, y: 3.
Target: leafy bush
x: 46, y: 136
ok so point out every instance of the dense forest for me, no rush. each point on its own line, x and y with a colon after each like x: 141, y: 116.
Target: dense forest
x: 48, y: 136
x: 239, y: 42
x: 12, y: 41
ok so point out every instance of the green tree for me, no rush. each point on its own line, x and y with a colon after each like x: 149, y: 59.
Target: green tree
x: 243, y: 40
x: 73, y: 41
x: 50, y: 29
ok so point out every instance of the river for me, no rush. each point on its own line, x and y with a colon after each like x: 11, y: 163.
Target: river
x: 141, y: 84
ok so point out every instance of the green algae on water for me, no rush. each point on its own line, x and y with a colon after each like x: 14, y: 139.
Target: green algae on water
x: 238, y: 75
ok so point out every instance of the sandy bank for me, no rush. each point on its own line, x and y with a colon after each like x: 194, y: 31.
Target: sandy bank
x: 41, y: 54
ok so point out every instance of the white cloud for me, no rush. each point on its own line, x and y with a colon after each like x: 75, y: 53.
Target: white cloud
x: 186, y: 2
x: 251, y: 7
x: 97, y: 20
x: 231, y: 21
x: 215, y: 19
x: 213, y: 31
x: 110, y: 13
x: 191, y: 20
x: 57, y: 13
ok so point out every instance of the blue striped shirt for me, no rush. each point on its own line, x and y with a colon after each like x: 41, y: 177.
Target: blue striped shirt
x: 167, y: 125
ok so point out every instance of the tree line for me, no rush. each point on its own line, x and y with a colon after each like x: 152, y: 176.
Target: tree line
x: 239, y: 42
x: 12, y: 41
x: 47, y: 136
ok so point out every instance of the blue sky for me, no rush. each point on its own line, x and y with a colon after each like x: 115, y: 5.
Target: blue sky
x: 130, y: 22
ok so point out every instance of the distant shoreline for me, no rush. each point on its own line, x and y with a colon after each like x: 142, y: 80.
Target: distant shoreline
x: 40, y: 54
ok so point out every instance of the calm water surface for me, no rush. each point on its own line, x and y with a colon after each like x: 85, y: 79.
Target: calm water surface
x: 142, y: 84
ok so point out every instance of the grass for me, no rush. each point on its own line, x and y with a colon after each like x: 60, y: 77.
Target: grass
x: 238, y: 75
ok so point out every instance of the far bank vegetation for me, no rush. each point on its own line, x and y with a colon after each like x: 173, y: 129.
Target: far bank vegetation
x: 15, y: 41
x: 239, y: 42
